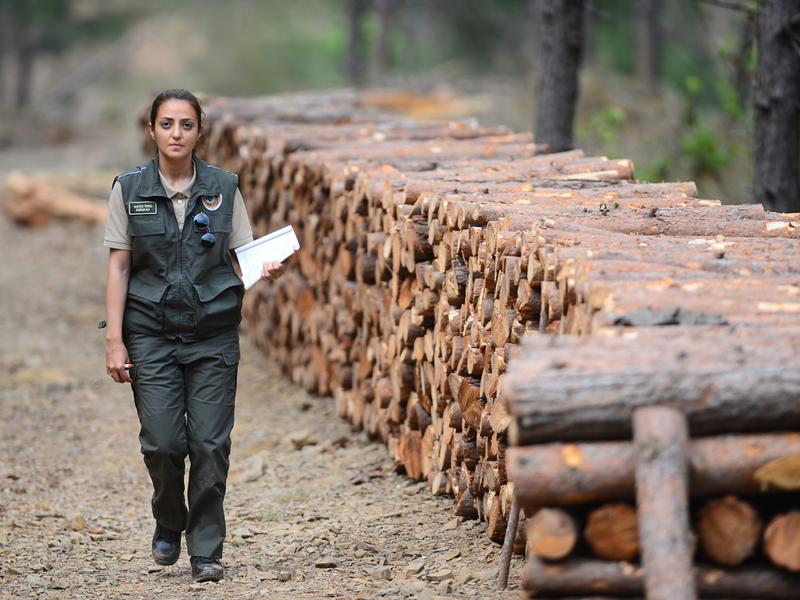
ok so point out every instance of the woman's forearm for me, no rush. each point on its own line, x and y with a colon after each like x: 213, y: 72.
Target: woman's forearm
x: 116, y: 292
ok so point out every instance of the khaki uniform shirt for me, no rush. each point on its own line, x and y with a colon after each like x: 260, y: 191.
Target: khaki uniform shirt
x: 116, y: 234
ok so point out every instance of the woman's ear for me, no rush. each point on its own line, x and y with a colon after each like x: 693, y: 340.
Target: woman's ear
x: 152, y: 133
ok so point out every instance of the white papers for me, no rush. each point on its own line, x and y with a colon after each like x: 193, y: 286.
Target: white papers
x: 273, y: 247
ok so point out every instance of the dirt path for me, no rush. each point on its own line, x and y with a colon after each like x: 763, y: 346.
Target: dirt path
x: 329, y: 520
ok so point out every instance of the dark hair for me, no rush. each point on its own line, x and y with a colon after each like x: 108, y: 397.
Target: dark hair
x: 177, y: 94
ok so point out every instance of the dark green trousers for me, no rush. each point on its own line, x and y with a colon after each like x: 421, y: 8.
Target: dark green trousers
x: 184, y: 395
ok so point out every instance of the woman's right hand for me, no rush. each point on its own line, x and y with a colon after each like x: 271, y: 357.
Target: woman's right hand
x: 116, y: 360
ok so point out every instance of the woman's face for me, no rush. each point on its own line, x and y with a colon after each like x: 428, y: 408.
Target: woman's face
x: 176, y: 129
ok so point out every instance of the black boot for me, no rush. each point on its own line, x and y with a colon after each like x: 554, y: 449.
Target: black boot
x: 206, y: 569
x: 166, y: 546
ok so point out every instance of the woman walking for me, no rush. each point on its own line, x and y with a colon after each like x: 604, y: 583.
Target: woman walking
x: 173, y: 303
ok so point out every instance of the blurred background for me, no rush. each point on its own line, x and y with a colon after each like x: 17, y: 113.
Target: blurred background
x: 669, y: 89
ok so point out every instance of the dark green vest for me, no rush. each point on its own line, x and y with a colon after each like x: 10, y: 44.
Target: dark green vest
x: 177, y: 287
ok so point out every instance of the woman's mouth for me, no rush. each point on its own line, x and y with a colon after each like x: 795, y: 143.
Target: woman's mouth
x: 176, y: 145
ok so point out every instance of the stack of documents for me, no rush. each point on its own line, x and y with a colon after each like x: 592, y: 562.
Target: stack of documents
x: 273, y: 247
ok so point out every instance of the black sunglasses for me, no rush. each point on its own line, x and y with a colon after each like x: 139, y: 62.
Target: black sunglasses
x: 201, y: 223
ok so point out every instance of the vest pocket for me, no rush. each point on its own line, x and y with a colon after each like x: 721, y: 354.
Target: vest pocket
x: 146, y: 225
x: 221, y: 223
x: 220, y: 303
x: 144, y: 307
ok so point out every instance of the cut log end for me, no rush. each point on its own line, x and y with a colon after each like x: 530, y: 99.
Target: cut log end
x: 729, y: 530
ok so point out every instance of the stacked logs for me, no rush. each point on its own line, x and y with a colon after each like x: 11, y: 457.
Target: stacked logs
x: 666, y: 425
x: 429, y: 250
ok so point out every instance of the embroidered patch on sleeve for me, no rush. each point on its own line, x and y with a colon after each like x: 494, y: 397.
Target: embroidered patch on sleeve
x: 142, y: 207
x: 212, y: 203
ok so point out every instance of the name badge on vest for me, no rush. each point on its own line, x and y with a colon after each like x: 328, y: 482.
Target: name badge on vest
x: 143, y: 207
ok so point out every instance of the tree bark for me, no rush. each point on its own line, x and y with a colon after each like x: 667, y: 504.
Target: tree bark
x: 742, y: 82
x: 554, y: 378
x: 387, y: 13
x: 561, y: 31
x: 553, y: 474
x: 661, y: 436
x: 777, y: 111
x: 356, y: 9
x: 508, y: 544
x: 648, y: 42
x: 590, y: 577
x: 6, y: 48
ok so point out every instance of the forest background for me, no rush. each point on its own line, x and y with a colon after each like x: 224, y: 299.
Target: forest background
x: 76, y: 68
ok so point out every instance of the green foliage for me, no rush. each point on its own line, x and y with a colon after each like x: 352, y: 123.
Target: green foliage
x: 50, y: 25
x: 706, y: 153
x: 613, y: 34
x: 604, y: 126
x: 730, y: 101
x: 477, y: 31
x: 655, y: 171
x: 298, y: 45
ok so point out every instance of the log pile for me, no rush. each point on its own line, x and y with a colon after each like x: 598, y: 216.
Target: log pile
x: 33, y: 201
x: 429, y: 251
x: 664, y: 418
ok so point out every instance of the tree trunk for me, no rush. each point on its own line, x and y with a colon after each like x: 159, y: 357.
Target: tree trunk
x: 356, y: 10
x: 742, y: 75
x: 24, y: 76
x: 777, y: 112
x: 561, y: 30
x: 6, y: 48
x: 648, y: 42
x: 387, y: 12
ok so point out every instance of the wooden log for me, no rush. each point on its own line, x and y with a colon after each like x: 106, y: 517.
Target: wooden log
x: 508, y: 545
x: 554, y: 378
x: 575, y: 577
x: 781, y: 473
x: 551, y: 534
x: 612, y: 531
x: 729, y: 530
x: 782, y: 540
x: 661, y: 438
x: 551, y: 474
x: 32, y: 202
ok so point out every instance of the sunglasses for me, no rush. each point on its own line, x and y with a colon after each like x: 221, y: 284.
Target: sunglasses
x: 201, y: 223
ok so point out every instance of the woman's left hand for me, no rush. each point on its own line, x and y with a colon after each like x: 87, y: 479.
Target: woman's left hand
x: 272, y: 270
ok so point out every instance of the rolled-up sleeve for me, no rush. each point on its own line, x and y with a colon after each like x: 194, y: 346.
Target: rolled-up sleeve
x: 116, y: 234
x: 242, y: 232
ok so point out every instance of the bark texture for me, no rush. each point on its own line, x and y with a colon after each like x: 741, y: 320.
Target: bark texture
x: 561, y: 31
x: 777, y: 111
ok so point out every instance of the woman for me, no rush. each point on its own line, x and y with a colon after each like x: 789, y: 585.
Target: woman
x: 173, y: 305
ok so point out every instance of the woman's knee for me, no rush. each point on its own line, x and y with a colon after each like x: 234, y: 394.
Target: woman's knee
x: 163, y: 447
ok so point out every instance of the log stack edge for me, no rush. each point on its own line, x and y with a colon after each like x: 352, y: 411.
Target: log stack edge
x: 652, y: 339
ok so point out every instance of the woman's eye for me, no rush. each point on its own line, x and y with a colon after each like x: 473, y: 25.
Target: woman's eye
x: 188, y: 126
x: 165, y: 124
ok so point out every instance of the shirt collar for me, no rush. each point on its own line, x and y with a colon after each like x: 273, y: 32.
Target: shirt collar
x: 171, y: 191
